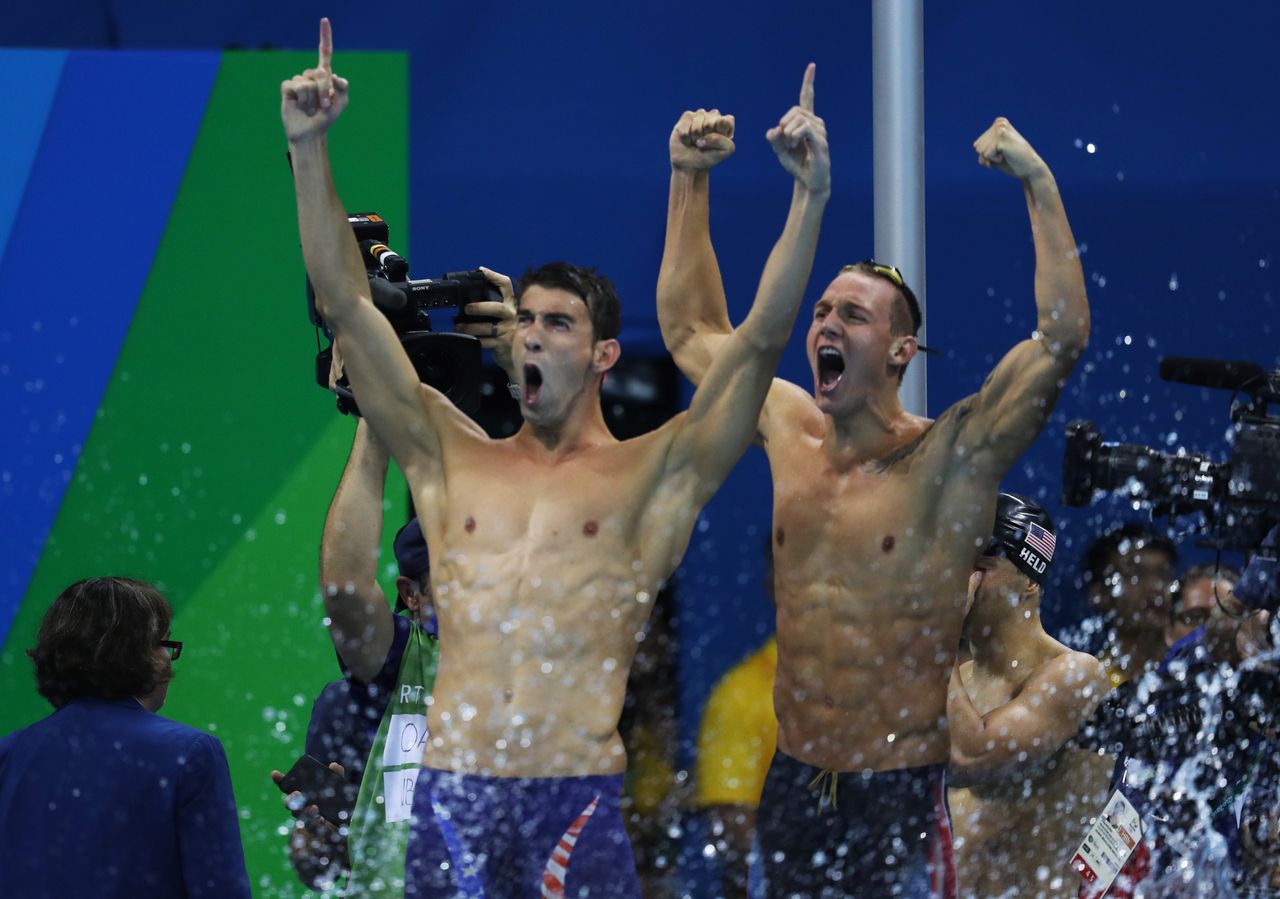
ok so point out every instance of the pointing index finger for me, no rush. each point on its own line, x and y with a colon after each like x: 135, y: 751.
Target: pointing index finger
x: 326, y: 45
x: 806, y: 88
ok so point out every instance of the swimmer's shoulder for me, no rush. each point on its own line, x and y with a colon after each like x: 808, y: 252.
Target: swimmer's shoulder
x: 917, y: 436
x: 937, y: 437
x: 789, y: 411
x: 1077, y: 673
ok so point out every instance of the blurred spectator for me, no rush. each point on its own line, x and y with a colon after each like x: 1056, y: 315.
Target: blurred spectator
x: 736, y: 743
x: 1127, y: 575
x: 1198, y: 759
x: 737, y: 739
x: 655, y: 793
x: 1193, y: 599
x: 104, y: 797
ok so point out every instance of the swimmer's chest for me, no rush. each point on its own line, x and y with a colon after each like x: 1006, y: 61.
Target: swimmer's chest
x: 916, y: 508
x: 863, y: 510
x: 505, y: 501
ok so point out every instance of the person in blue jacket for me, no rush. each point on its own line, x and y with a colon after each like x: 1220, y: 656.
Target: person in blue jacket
x: 104, y: 797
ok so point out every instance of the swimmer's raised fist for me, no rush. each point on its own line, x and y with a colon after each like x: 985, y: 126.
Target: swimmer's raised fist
x: 312, y: 101
x: 701, y: 140
x: 800, y: 140
x: 1002, y: 147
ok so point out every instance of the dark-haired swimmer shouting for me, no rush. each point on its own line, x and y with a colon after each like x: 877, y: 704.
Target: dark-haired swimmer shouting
x: 547, y: 547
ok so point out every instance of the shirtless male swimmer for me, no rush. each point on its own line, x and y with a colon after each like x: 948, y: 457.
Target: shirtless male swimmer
x: 1022, y: 791
x: 878, y: 517
x: 548, y: 546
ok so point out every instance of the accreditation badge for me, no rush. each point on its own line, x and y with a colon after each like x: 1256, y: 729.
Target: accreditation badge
x: 1108, y: 844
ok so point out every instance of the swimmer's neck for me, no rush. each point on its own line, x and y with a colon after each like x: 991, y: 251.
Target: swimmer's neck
x: 582, y: 428
x: 873, y: 428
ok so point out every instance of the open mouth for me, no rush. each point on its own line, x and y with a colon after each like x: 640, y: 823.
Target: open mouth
x: 830, y: 368
x: 532, y: 384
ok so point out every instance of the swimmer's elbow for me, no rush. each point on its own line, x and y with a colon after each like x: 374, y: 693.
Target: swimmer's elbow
x: 693, y: 350
x: 963, y: 771
x: 1065, y: 330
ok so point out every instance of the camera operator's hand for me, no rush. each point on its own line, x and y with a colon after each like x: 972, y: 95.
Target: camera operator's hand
x: 1253, y: 636
x: 1001, y: 147
x: 701, y: 140
x: 335, y: 367
x: 800, y: 140
x: 495, y: 336
x: 312, y: 101
x: 317, y: 849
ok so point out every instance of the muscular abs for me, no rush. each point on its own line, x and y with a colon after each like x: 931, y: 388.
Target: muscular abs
x: 541, y: 589
x: 872, y: 565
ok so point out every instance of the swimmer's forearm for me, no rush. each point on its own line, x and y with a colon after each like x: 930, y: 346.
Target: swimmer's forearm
x: 383, y: 380
x: 724, y: 413
x: 328, y: 244
x: 786, y: 273
x: 964, y: 722
x: 976, y: 755
x: 691, y: 300
x: 1062, y: 305
x: 359, y: 617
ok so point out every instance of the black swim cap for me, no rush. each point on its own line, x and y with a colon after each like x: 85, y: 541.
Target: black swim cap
x: 1023, y: 534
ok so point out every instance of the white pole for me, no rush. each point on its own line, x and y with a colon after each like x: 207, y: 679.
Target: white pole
x: 897, y: 108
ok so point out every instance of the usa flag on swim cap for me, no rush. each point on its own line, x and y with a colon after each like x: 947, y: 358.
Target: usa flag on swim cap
x: 1041, y: 541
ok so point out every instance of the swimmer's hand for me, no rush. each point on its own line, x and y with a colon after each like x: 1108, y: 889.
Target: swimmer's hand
x: 1001, y: 147
x: 495, y: 336
x: 701, y: 140
x: 312, y: 101
x: 800, y: 140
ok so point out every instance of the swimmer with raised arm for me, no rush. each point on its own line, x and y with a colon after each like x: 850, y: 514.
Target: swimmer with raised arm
x: 547, y: 547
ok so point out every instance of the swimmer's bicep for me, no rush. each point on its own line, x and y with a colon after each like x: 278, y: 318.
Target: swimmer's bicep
x: 1005, y: 416
x: 1049, y: 710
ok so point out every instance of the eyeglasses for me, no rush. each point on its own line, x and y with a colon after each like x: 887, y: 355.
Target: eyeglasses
x: 173, y: 647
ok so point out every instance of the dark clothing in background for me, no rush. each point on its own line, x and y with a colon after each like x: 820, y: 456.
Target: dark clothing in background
x: 107, y: 799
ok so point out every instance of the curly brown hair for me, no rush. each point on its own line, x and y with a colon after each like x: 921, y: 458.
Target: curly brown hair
x: 99, y: 640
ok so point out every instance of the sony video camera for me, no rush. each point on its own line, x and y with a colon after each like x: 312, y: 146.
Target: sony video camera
x: 1240, y: 498
x: 449, y: 362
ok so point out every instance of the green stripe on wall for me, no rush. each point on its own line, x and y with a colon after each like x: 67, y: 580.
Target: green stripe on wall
x: 213, y: 457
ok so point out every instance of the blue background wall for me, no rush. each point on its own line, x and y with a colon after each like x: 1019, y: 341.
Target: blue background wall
x: 539, y: 131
